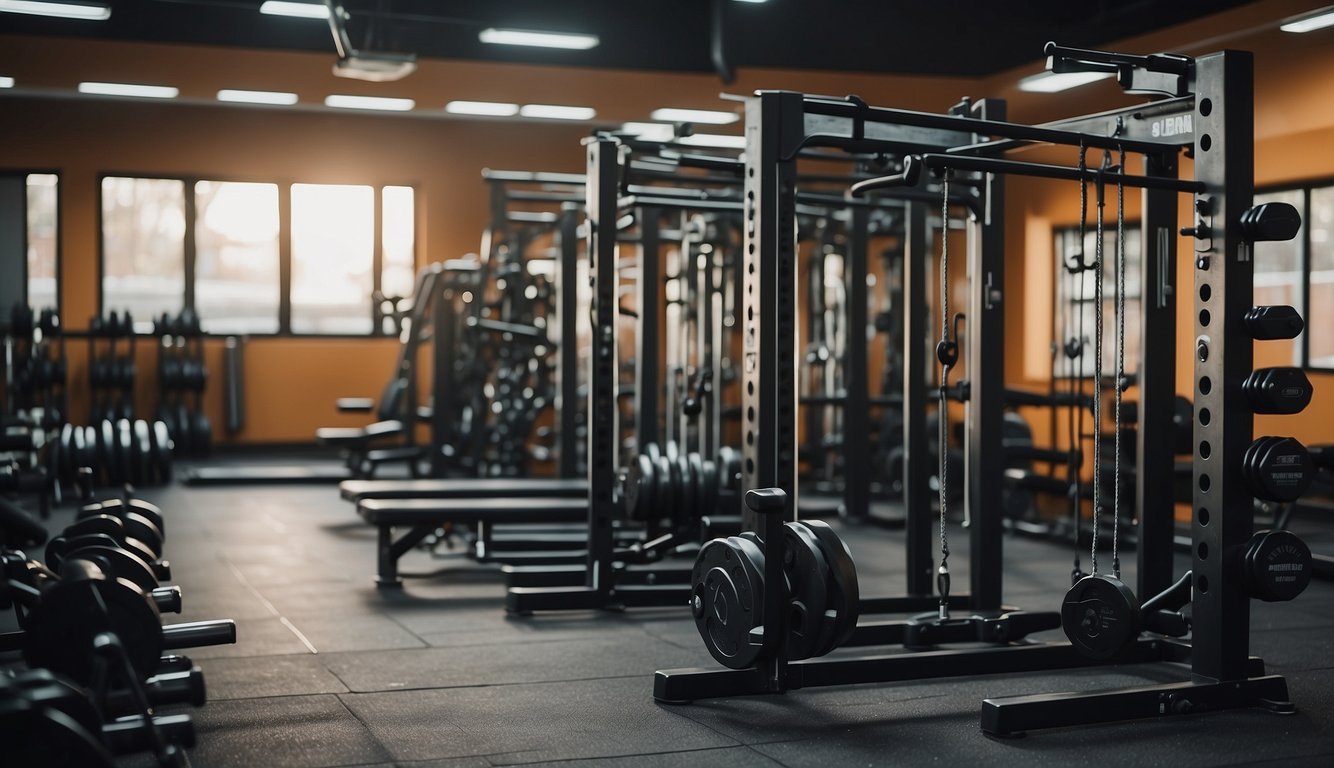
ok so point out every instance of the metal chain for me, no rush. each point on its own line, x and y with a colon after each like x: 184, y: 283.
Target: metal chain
x: 1076, y: 420
x: 1097, y: 369
x: 942, y: 418
x: 1120, y: 359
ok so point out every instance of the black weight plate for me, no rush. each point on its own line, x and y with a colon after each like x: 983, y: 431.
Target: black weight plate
x: 685, y: 510
x: 138, y: 453
x: 124, y: 450
x: 695, y: 485
x: 845, y: 594
x: 709, y: 487
x: 666, y: 498
x: 640, y: 488
x: 80, y: 454
x: 118, y: 507
x: 671, y: 450
x: 652, y: 450
x: 61, y: 628
x: 106, y: 452
x: 182, y: 433
x: 201, y: 434
x: 727, y: 599
x: 1282, y: 469
x: 1277, y: 566
x: 68, y: 455
x: 163, y: 448
x: 117, y: 562
x: 1101, y: 617
x: 809, y: 628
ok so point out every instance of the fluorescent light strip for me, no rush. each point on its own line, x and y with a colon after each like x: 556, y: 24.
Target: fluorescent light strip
x: 6, y: 82
x: 483, y: 108
x: 714, y: 140
x: 650, y: 131
x: 282, y: 98
x: 557, y: 112
x: 298, y: 10
x: 706, y: 116
x: 129, y: 89
x: 97, y: 12
x: 1052, y: 82
x: 1311, y: 22
x: 341, y: 101
x: 538, y: 39
x: 752, y: 1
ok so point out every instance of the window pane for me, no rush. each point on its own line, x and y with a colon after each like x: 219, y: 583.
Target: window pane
x: 1278, y: 272
x: 397, y: 241
x: 42, y: 194
x: 1320, y: 317
x: 143, y: 246
x: 236, y: 256
x: 333, y: 237
x: 1074, y: 300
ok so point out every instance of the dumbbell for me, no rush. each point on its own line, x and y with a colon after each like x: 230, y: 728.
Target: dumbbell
x: 1283, y: 390
x: 123, y: 531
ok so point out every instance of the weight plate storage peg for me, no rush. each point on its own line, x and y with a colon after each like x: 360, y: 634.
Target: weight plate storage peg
x: 1277, y: 566
x: 727, y: 600
x: 1101, y: 617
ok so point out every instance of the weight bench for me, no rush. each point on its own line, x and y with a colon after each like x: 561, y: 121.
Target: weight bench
x: 464, y: 487
x: 424, y: 516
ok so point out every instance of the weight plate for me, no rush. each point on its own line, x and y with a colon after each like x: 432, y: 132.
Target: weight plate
x: 1279, y: 468
x: 106, y: 441
x: 118, y: 563
x: 727, y: 599
x: 68, y: 455
x: 182, y: 433
x: 652, y: 450
x: 694, y: 474
x: 844, y: 595
x: 62, y: 626
x: 1277, y: 566
x: 139, y: 453
x: 124, y: 450
x: 163, y: 447
x: 671, y: 450
x: 809, y: 628
x: 1101, y: 617
x: 709, y: 487
x: 666, y: 497
x: 640, y: 488
x: 201, y: 434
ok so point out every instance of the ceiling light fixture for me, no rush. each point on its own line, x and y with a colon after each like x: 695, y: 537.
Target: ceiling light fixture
x: 1309, y: 22
x: 6, y: 82
x: 482, y: 108
x: 557, y: 112
x: 382, y: 103
x: 129, y: 89
x: 281, y: 98
x: 752, y: 1
x: 536, y: 38
x: 1052, y: 82
x: 716, y: 140
x: 298, y: 10
x: 705, y: 116
x: 85, y: 11
x: 650, y: 131
x: 374, y: 66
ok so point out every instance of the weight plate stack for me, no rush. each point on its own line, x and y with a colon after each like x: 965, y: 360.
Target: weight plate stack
x: 727, y: 600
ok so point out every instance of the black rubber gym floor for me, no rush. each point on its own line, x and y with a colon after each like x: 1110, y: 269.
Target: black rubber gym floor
x: 329, y: 671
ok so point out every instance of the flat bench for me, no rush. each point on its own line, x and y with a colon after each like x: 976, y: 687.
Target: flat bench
x: 423, y: 516
x: 464, y: 487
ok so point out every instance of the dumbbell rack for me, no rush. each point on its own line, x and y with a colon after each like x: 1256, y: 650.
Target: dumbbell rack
x: 182, y: 380
x: 36, y: 366
x: 111, y: 367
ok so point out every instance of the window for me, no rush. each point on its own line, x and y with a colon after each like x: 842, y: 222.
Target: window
x: 28, y: 209
x: 218, y: 246
x: 1075, y: 302
x: 237, y: 286
x: 1300, y: 272
x: 143, y: 246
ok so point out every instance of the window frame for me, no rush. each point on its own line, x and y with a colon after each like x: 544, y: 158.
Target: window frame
x: 1134, y: 293
x: 1304, y: 260
x: 60, y: 230
x: 284, y: 244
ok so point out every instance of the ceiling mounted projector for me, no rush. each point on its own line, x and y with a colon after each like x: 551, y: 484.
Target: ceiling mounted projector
x: 375, y: 66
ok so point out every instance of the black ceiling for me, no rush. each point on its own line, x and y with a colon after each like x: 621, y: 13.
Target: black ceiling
x: 941, y: 37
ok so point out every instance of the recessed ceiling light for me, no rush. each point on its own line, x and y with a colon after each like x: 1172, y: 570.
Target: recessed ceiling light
x: 86, y: 11
x: 129, y: 89
x: 1310, y: 22
x: 706, y: 116
x: 6, y: 82
x: 650, y: 131
x: 299, y: 10
x: 557, y: 112
x: 257, y: 97
x: 714, y: 140
x: 752, y: 1
x: 485, y: 108
x: 1051, y: 82
x: 341, y: 101
x: 537, y: 38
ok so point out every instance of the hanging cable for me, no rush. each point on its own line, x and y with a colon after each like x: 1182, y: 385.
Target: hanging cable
x: 1097, y: 360
x: 947, y: 352
x: 1120, y: 360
